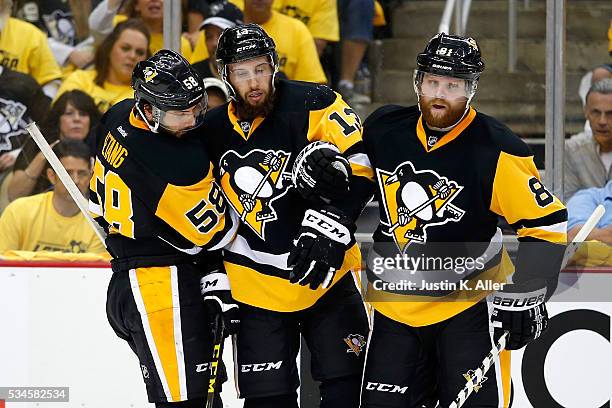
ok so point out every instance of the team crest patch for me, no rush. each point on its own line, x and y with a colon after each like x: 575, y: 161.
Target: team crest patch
x: 149, y: 74
x: 253, y: 182
x: 356, y: 343
x: 416, y: 200
x: 470, y: 375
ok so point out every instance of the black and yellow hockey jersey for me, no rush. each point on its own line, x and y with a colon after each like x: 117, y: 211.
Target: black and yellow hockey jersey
x: 262, y: 196
x: 442, y: 194
x: 155, y: 193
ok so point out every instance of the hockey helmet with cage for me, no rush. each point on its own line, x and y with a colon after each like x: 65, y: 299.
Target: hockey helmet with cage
x: 241, y: 43
x: 169, y: 84
x: 453, y: 56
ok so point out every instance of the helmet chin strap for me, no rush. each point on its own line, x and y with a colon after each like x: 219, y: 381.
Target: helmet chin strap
x: 156, y: 116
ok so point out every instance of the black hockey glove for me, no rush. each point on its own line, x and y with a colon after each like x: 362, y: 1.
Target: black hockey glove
x: 320, y: 245
x: 320, y: 172
x: 218, y: 299
x: 520, y: 310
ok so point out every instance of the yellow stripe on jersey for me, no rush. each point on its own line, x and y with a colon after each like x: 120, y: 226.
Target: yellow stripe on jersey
x: 447, y: 138
x: 155, y: 288
x: 278, y: 294
x: 544, y: 235
x: 196, y: 212
x: 504, y: 362
x: 518, y: 194
x: 363, y: 171
x: 418, y: 311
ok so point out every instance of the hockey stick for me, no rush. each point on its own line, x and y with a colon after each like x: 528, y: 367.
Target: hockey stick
x: 217, y: 352
x: 582, y: 234
x: 413, y: 212
x: 256, y: 192
x: 61, y: 172
x: 475, y: 379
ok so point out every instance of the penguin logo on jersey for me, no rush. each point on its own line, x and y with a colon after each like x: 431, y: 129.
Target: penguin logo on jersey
x: 416, y: 200
x: 252, y: 182
x: 12, y: 122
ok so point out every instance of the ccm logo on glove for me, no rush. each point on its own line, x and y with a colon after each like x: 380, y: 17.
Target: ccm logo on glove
x: 327, y: 226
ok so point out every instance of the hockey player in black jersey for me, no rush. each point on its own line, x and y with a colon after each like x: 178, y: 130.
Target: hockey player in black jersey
x: 293, y: 262
x: 154, y: 193
x: 444, y: 175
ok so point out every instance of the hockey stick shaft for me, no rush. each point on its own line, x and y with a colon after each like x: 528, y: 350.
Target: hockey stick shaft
x: 257, y: 190
x: 501, y: 343
x: 416, y: 210
x: 480, y: 372
x: 582, y: 235
x: 217, y: 352
x: 61, y: 172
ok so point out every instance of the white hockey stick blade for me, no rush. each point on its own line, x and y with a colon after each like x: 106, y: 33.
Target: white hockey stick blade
x: 584, y: 232
x: 61, y: 172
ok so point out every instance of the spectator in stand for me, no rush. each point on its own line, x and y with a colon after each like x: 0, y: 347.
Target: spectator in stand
x: 24, y: 48
x: 588, y: 157
x: 72, y: 117
x: 52, y: 221
x: 195, y: 12
x: 220, y: 17
x: 356, y: 32
x: 65, y: 23
x: 216, y: 91
x: 151, y: 12
x: 598, y: 73
x: 297, y: 53
x: 320, y: 16
x: 111, y: 80
x: 581, y: 206
x: 21, y: 101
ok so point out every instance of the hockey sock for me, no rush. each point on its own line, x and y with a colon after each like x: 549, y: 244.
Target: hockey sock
x: 342, y: 392
x: 277, y: 401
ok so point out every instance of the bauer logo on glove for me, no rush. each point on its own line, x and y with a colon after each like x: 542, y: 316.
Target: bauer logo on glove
x: 320, y: 172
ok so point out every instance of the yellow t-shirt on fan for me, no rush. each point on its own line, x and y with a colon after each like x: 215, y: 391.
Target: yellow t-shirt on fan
x: 297, y: 53
x: 104, y: 96
x: 24, y: 48
x: 32, y: 224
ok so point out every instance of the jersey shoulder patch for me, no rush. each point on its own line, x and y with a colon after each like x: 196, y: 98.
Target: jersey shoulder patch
x: 304, y: 96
